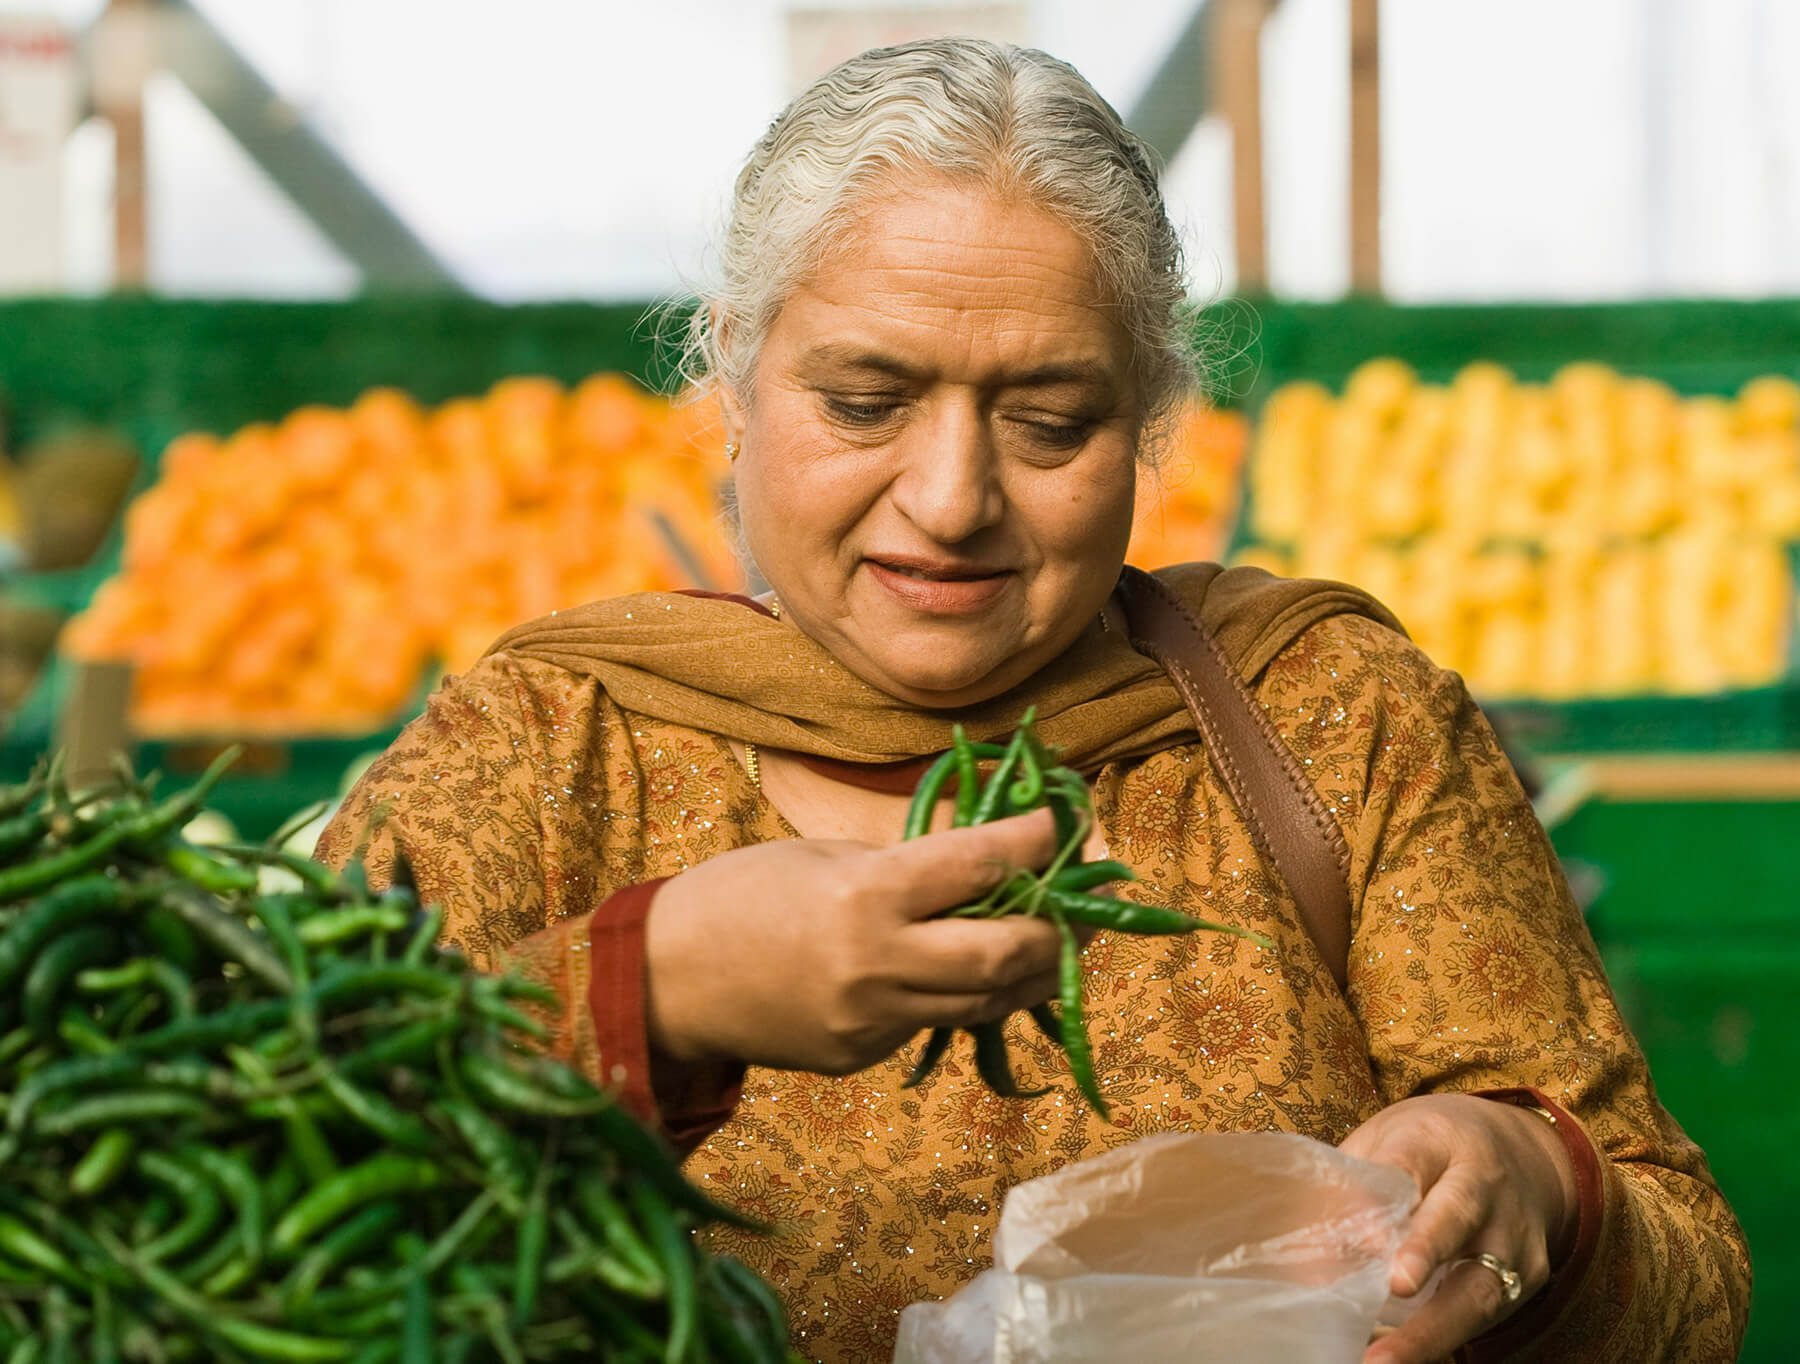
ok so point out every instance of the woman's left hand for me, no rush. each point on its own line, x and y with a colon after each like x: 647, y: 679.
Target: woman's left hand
x: 1495, y: 1180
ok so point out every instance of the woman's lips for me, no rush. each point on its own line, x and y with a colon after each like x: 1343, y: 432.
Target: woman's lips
x: 945, y: 592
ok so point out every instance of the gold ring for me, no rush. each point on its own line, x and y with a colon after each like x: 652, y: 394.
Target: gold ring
x: 1512, y: 1287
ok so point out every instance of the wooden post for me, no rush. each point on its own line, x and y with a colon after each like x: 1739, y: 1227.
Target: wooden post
x: 92, y: 728
x: 122, y: 61
x: 1237, y: 76
x: 1365, y: 146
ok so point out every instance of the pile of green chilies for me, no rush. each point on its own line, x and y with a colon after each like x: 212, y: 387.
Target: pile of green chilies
x: 244, y: 1125
x: 1028, y: 778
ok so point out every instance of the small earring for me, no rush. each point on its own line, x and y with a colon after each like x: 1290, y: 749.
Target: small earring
x: 731, y: 449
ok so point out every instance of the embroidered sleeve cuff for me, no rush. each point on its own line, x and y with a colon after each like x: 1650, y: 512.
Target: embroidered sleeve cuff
x: 1568, y: 1280
x: 616, y: 1001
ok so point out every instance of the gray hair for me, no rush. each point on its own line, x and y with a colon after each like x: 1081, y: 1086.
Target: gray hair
x: 1012, y: 119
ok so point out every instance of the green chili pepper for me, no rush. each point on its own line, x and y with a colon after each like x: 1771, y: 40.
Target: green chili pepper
x: 608, y: 1216
x: 466, y: 1230
x: 992, y: 1064
x: 1128, y: 916
x: 56, y: 965
x: 194, y: 1194
x: 231, y: 938
x: 80, y: 1072
x: 274, y: 914
x: 104, y: 1162
x: 27, y: 1247
x: 68, y: 906
x: 176, y: 987
x: 218, y: 1263
x: 349, y: 982
x: 493, y: 1313
x: 173, y: 940
x: 425, y: 935
x: 87, y: 1036
x: 935, y: 1047
x: 378, y: 1115
x: 410, y: 1045
x: 1124, y: 916
x: 22, y: 832
x: 987, y: 806
x: 968, y: 787
x: 1047, y: 1021
x: 236, y: 1023
x: 15, y: 798
x: 528, y: 1252
x: 361, y: 1232
x: 304, y: 1140
x: 234, y: 1175
x: 1073, y: 1025
x: 504, y: 1086
x: 926, y: 795
x: 416, y: 1343
x: 378, y: 1177
x: 492, y: 1145
x: 288, y: 827
x: 152, y: 824
x: 1028, y: 789
x: 1084, y: 876
x: 200, y: 868
x: 332, y: 926
x: 670, y: 1244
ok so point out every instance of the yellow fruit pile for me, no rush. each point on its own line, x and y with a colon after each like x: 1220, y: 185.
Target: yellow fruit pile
x: 1185, y: 506
x: 299, y: 578
x: 1596, y: 535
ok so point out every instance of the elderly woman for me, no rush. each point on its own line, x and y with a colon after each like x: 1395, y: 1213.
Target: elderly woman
x: 948, y: 330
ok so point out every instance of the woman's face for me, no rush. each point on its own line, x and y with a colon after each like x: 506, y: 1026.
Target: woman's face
x: 939, y: 461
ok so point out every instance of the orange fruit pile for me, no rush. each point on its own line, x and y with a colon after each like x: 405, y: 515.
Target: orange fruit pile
x: 299, y: 578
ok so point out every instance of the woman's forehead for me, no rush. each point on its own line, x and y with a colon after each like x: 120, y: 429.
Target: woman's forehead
x: 945, y: 269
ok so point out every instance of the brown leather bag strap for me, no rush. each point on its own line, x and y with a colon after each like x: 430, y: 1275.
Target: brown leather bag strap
x: 1287, y: 818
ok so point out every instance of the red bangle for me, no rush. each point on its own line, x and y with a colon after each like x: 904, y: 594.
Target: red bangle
x: 1535, y: 1317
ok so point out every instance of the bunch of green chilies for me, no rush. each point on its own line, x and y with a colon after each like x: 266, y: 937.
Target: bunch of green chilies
x: 1028, y: 778
x: 239, y: 1125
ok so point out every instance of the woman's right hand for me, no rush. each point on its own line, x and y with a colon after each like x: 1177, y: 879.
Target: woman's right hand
x: 823, y: 955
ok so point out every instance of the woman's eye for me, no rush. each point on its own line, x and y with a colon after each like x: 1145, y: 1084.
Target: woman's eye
x: 1058, y: 435
x: 853, y: 412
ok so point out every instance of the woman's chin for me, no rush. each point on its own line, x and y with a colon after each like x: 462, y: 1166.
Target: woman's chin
x: 946, y: 683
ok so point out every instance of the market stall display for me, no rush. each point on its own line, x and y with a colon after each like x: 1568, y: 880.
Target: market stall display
x: 1596, y: 535
x: 300, y: 578
x: 241, y: 1125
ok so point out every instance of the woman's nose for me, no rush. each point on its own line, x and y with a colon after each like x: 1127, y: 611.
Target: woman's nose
x: 950, y: 486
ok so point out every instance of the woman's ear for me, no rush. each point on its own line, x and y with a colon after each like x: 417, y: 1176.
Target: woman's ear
x: 731, y: 407
x: 731, y: 413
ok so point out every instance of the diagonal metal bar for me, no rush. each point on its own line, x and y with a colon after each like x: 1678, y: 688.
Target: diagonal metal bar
x: 356, y: 219
x: 1179, y: 94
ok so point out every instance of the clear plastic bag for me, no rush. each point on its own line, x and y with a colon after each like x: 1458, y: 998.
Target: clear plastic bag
x: 1253, y: 1248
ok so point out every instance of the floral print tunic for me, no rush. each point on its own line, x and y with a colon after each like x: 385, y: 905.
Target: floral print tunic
x: 524, y: 799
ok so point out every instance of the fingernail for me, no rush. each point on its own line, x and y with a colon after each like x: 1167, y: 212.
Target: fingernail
x: 1408, y: 1275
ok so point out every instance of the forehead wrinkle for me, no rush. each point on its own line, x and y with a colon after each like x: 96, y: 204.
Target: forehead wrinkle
x: 1034, y: 336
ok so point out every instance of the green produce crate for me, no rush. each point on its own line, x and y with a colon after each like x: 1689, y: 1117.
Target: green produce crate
x: 1697, y: 928
x: 1744, y: 721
